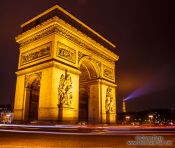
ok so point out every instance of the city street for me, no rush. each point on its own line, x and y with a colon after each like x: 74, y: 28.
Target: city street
x: 22, y: 136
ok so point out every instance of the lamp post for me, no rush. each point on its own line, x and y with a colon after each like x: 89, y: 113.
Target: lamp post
x: 127, y: 119
x: 150, y: 118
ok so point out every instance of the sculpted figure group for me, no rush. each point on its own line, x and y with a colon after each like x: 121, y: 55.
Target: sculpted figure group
x: 109, y: 101
x: 65, y: 90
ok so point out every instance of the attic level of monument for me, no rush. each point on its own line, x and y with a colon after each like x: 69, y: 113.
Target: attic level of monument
x: 70, y: 19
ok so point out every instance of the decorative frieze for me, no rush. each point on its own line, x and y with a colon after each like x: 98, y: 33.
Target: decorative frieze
x: 108, y: 72
x: 36, y: 54
x: 66, y: 52
x: 38, y: 35
x: 79, y: 42
x: 65, y: 33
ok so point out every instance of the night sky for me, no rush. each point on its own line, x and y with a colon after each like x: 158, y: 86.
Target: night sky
x: 141, y: 29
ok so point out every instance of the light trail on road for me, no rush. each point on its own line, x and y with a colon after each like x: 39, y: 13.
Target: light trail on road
x: 94, y: 138
x: 95, y: 132
x: 39, y: 126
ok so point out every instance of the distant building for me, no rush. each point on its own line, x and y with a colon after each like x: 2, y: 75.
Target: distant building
x: 152, y: 116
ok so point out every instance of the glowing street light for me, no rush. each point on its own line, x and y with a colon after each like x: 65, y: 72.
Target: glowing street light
x: 150, y: 118
x: 127, y: 119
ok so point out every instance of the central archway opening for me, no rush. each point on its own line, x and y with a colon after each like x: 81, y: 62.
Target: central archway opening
x: 34, y: 100
x: 83, y: 104
x: 88, y: 74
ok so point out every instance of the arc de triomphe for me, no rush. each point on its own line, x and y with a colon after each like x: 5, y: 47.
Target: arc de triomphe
x: 66, y: 71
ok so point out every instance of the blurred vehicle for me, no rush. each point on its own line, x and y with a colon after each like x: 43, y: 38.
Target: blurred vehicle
x: 136, y: 123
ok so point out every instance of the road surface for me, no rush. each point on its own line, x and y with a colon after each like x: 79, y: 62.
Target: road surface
x: 29, y: 136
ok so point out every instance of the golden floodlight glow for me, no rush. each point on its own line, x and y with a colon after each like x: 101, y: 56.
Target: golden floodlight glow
x: 63, y: 74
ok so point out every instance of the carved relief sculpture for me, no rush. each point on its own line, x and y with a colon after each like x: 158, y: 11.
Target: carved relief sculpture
x: 65, y: 90
x: 109, y: 100
x: 66, y: 53
x: 108, y: 72
x: 36, y: 54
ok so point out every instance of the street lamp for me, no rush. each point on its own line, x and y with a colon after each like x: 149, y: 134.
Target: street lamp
x: 150, y: 118
x: 127, y: 119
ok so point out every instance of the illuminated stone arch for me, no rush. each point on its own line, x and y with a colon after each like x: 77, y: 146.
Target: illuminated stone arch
x: 32, y: 78
x: 88, y: 79
x: 89, y: 67
x: 55, y: 42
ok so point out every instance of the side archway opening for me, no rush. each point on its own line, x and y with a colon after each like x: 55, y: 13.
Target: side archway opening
x: 87, y: 76
x: 32, y: 99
